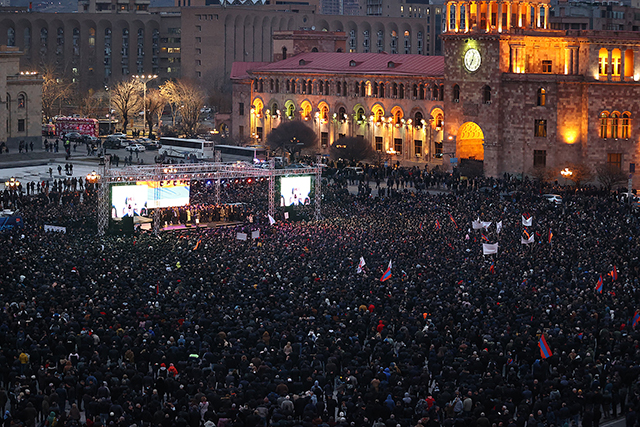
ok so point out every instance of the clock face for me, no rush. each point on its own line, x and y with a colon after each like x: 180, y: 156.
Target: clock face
x: 472, y: 59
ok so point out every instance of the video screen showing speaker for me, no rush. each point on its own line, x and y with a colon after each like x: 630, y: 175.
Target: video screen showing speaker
x: 294, y: 190
x: 128, y: 200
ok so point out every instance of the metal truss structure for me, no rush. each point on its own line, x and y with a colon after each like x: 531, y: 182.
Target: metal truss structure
x: 216, y: 171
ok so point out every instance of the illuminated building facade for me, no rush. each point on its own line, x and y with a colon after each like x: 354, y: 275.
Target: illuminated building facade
x: 513, y: 93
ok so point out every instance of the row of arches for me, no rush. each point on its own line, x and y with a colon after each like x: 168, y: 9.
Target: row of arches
x: 341, y: 113
x: 615, y: 124
x: 616, y: 62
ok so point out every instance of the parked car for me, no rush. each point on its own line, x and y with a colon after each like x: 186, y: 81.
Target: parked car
x: 88, y: 139
x: 113, y: 142
x: 149, y: 144
x: 553, y: 198
x: 135, y: 147
x: 118, y: 135
x: 74, y: 137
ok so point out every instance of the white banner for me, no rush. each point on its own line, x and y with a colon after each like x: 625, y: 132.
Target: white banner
x: 527, y: 222
x: 55, y: 228
x: 255, y: 234
x: 498, y: 227
x: 271, y: 220
x: 486, y: 224
x: 489, y: 248
x: 241, y: 236
x: 286, y: 215
x: 477, y: 224
x: 527, y: 241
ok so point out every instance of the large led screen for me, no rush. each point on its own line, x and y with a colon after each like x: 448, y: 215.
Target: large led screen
x: 294, y: 190
x: 131, y: 200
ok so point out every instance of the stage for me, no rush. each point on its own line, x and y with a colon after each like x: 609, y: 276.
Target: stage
x: 193, y: 226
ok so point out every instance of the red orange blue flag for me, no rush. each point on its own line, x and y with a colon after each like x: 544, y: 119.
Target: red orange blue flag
x: 492, y: 268
x: 437, y: 225
x: 453, y: 220
x: 614, y: 274
x: 550, y: 235
x: 545, y: 351
x: 599, y: 285
x: 636, y: 319
x: 387, y: 274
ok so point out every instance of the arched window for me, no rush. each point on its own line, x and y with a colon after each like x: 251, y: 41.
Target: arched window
x: 320, y: 87
x: 11, y: 36
x: 394, y: 90
x: 615, y: 121
x: 435, y: 92
x: 59, y: 41
x: 381, y: 90
x: 288, y: 85
x: 22, y: 101
x: 421, y: 92
x: 284, y: 52
x: 397, y: 116
x: 374, y: 89
x: 625, y: 125
x: 274, y: 109
x: 277, y: 88
x: 418, y: 118
x: 271, y: 85
x: 363, y: 89
x: 542, y: 97
x: 456, y: 93
x: 261, y: 85
x: 604, y: 121
x: 415, y: 91
x: 379, y: 115
x: 356, y: 88
x: 338, y: 88
x: 360, y: 114
x: 401, y: 93
x: 342, y: 114
x: 324, y: 112
x: 310, y: 87
x: 441, y: 94
x: 327, y: 84
x: 344, y: 88
x: 486, y: 95
x: 291, y: 110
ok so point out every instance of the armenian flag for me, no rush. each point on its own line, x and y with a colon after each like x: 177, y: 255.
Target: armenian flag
x: 387, y: 274
x: 599, y: 285
x: 437, y: 225
x: 636, y: 319
x: 614, y: 273
x: 545, y: 351
x: 550, y: 235
x: 453, y: 220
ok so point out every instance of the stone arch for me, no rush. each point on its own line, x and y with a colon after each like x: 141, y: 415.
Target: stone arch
x: 470, y: 142
x: 337, y: 26
x: 323, y: 110
x: 398, y: 114
x: 322, y: 25
x: 378, y: 112
x: 290, y: 109
x: 305, y: 109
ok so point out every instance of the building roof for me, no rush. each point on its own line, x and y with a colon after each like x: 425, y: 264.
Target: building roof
x: 239, y: 70
x: 355, y: 63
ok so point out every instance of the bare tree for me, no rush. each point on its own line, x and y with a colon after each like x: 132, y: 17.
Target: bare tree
x: 351, y: 148
x: 169, y: 91
x: 191, y: 102
x: 155, y: 105
x: 292, y: 137
x: 126, y: 100
x: 609, y: 176
x: 89, y: 103
x: 579, y: 173
x: 542, y: 173
x: 55, y: 90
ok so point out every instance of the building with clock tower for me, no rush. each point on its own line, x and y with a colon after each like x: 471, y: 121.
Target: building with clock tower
x: 520, y: 96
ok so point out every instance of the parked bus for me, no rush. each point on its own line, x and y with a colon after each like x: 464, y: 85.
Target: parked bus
x: 82, y: 125
x: 186, y: 148
x: 231, y: 153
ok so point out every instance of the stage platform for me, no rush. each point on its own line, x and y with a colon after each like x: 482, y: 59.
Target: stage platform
x: 194, y: 226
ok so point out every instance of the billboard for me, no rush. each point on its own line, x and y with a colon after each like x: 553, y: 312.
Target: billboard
x: 294, y: 190
x: 131, y: 200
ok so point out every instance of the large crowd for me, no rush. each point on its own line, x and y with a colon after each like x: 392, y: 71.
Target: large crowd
x: 196, y: 328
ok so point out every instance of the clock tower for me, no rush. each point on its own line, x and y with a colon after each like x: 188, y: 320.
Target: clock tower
x: 477, y: 40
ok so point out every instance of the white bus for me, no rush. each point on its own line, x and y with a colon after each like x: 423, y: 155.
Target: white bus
x: 231, y: 153
x: 185, y: 148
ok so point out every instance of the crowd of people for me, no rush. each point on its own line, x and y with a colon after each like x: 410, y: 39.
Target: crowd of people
x: 197, y: 328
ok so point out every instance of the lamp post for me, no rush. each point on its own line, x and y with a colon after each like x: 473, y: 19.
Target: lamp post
x: 12, y: 184
x: 566, y: 173
x: 144, y: 80
x: 108, y: 90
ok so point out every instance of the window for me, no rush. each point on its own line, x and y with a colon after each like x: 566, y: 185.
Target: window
x: 614, y: 160
x: 21, y: 101
x: 259, y: 133
x: 20, y: 125
x: 541, y: 97
x: 198, y: 39
x: 486, y: 95
x: 397, y: 146
x: 241, y: 109
x: 417, y: 145
x: 540, y: 128
x: 379, y: 145
x: 342, y: 114
x: 241, y: 131
x: 539, y: 158
x: 615, y: 120
x: 604, y: 121
x: 625, y: 125
x: 456, y: 93
x: 338, y: 88
x: 546, y: 66
x: 324, y: 139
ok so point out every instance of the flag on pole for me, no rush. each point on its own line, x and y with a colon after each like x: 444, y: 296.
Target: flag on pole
x: 527, y: 222
x: 550, y: 235
x: 488, y: 248
x: 599, y: 285
x: 498, y: 227
x: 545, y: 351
x: 387, y: 274
x: 492, y: 268
x: 486, y: 224
x: 360, y: 265
x: 527, y: 241
x: 485, y: 238
x: 453, y: 220
x: 636, y: 319
x: 271, y: 220
x: 614, y: 274
x: 437, y: 225
x: 157, y: 288
x: 197, y: 245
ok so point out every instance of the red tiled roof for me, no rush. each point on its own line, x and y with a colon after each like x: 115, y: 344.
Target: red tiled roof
x: 355, y: 63
x: 239, y: 70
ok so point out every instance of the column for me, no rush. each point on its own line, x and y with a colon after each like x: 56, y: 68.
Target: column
x: 508, y: 16
x: 448, y: 16
x: 500, y: 5
x: 546, y: 17
x: 467, y: 16
x: 576, y: 60
x: 622, y: 55
x: 512, y: 59
x: 609, y: 64
x: 538, y: 8
x: 458, y: 5
x: 492, y: 4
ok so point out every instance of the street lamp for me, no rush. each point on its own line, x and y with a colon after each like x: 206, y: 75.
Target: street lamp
x: 144, y: 80
x: 92, y: 177
x: 109, y: 115
x: 13, y: 184
x: 566, y: 173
